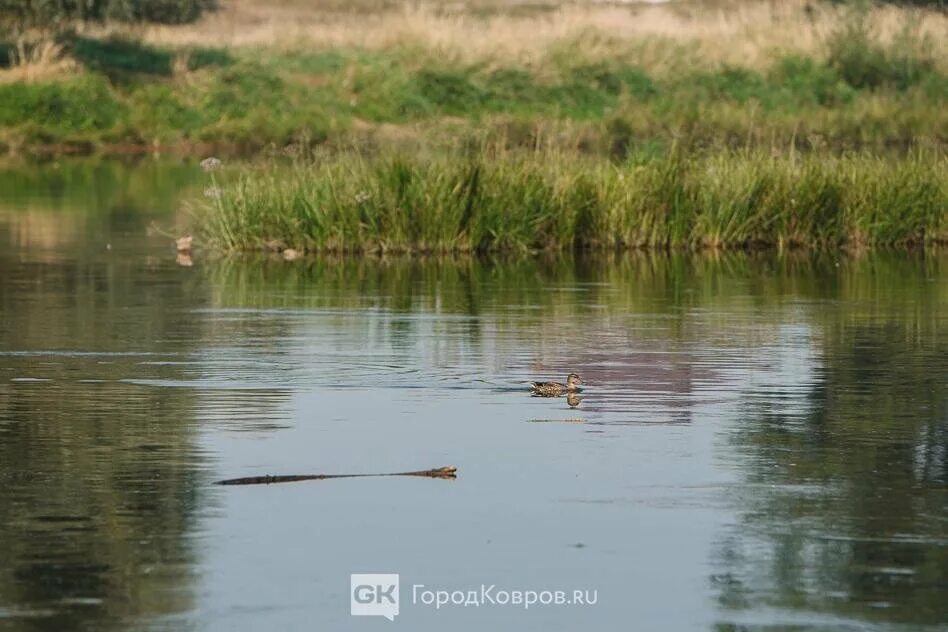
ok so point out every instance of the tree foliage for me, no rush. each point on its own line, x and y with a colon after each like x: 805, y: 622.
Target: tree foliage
x: 48, y: 14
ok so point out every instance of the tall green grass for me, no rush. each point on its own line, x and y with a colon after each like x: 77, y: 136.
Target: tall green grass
x: 522, y: 202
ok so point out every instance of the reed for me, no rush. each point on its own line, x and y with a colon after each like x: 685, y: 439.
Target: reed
x: 547, y: 201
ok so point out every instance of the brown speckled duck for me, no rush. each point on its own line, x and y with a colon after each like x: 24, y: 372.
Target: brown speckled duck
x: 554, y: 389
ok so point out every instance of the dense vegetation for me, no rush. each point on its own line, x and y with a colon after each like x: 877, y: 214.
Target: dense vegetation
x: 51, y: 13
x: 537, y: 201
x: 726, y: 124
x: 588, y: 92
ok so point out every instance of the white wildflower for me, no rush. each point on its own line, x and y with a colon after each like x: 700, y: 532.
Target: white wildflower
x: 211, y: 164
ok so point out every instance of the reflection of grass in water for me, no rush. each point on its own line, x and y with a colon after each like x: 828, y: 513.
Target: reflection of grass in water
x: 547, y: 201
x: 721, y: 299
x: 845, y: 479
x: 61, y: 203
x: 628, y: 283
x: 90, y: 185
x: 120, y: 463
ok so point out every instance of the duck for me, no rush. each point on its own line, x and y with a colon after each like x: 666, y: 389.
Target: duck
x: 554, y: 389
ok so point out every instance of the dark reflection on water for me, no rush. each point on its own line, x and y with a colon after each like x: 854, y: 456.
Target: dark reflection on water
x: 763, y: 443
x: 844, y: 508
x: 99, y: 480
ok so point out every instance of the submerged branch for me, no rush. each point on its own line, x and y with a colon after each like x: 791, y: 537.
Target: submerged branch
x: 449, y: 472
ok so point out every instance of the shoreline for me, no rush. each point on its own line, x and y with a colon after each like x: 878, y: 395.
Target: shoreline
x: 927, y: 247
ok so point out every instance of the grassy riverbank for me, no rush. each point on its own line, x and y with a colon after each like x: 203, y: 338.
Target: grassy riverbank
x: 572, y: 76
x: 521, y: 202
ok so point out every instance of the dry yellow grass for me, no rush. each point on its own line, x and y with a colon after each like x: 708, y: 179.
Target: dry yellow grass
x: 748, y: 33
x: 40, y: 62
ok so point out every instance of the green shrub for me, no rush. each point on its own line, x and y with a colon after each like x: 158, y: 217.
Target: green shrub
x: 449, y: 91
x: 46, y: 13
x: 156, y: 111
x: 637, y: 83
x: 810, y: 82
x: 239, y: 89
x: 84, y: 103
x: 509, y: 86
x: 613, y: 79
x: 162, y: 11
x: 861, y: 61
x: 384, y: 89
x: 732, y: 84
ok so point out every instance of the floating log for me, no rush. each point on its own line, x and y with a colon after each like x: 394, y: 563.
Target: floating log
x: 439, y: 472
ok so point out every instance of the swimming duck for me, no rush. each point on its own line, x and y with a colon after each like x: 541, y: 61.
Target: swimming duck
x: 554, y: 389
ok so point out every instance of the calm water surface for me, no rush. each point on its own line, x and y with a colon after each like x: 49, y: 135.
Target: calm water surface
x: 763, y: 443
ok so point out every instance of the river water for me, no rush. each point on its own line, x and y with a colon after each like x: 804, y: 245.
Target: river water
x: 762, y: 442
